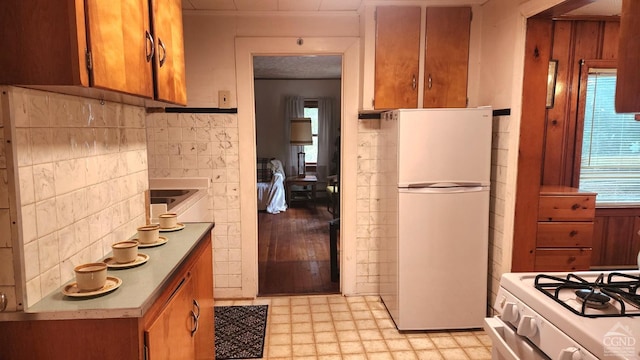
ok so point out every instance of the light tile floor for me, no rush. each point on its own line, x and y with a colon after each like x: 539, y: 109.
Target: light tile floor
x: 328, y: 327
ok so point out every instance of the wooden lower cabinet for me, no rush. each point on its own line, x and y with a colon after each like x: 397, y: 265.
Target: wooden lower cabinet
x: 569, y: 259
x: 565, y: 234
x: 203, y: 295
x: 565, y: 229
x: 178, y: 325
x: 171, y: 335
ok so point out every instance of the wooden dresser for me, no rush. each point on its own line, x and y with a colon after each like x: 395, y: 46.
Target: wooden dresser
x: 565, y: 229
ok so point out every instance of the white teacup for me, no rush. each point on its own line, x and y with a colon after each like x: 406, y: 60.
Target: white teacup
x: 125, y: 251
x: 148, y: 234
x: 168, y: 220
x: 91, y: 276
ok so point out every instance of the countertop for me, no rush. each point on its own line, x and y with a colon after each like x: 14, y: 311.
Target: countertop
x: 140, y: 287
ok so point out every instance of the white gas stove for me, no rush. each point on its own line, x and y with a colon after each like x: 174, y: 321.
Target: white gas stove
x: 572, y: 316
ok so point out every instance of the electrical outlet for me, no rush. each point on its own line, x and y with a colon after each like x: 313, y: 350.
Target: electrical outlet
x: 224, y: 101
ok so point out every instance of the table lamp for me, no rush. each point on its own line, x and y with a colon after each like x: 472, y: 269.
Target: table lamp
x: 300, y: 136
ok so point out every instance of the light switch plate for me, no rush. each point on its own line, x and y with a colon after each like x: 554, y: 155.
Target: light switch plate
x: 224, y: 101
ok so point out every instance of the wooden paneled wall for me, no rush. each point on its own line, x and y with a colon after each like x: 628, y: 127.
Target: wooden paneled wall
x: 616, y: 241
x: 572, y: 41
x: 548, y: 137
x: 532, y: 132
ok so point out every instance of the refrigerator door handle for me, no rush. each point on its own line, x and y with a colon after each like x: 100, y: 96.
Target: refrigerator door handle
x: 445, y: 190
x: 444, y: 185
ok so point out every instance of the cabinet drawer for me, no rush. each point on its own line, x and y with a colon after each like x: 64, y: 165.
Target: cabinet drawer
x: 565, y: 234
x: 567, y: 208
x: 562, y: 259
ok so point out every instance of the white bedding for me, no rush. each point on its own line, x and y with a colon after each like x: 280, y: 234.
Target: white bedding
x: 271, y: 195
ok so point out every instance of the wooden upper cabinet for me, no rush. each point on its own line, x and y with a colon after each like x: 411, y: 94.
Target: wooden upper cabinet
x: 107, y: 45
x: 169, y: 60
x: 397, y: 57
x: 43, y: 42
x: 117, y: 34
x: 446, y: 57
x: 628, y: 82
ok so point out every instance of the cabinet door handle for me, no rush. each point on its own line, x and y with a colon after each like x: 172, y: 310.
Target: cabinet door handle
x: 164, y: 51
x: 194, y: 329
x: 414, y: 83
x: 429, y: 82
x: 195, y: 303
x: 3, y: 302
x: 151, y: 48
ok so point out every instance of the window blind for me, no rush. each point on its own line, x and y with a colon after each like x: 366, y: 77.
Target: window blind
x: 610, y: 160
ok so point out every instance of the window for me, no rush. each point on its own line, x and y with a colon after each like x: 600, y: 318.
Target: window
x: 610, y: 159
x: 311, y: 111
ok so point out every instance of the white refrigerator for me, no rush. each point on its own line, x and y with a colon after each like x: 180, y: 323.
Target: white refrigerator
x: 435, y: 201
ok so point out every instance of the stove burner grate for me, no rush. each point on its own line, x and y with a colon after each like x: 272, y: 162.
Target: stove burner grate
x: 622, y: 288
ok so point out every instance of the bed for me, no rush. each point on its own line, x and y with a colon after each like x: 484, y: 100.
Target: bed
x: 271, y: 192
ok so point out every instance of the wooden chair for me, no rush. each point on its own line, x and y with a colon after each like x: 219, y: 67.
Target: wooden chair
x: 333, y: 196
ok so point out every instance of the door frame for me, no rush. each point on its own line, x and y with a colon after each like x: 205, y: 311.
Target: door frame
x: 248, y: 47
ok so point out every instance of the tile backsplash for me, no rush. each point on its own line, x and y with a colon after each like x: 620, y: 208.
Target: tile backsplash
x: 207, y: 146
x: 82, y: 174
x: 7, y: 271
x: 497, y: 240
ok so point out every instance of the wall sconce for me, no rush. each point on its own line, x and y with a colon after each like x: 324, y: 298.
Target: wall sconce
x: 301, y: 135
x: 551, y: 82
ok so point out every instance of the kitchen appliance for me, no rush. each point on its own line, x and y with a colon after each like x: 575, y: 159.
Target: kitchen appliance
x: 573, y: 316
x: 435, y: 203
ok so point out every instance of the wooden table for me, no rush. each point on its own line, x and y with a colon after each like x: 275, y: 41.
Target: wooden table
x: 309, y: 180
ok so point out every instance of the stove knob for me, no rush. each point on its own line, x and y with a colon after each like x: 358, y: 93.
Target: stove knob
x: 570, y: 353
x: 528, y: 326
x: 510, y: 312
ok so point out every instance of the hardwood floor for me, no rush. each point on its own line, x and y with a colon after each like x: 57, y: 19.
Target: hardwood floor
x: 293, y: 252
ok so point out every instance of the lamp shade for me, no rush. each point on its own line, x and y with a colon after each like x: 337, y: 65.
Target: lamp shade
x: 301, y: 131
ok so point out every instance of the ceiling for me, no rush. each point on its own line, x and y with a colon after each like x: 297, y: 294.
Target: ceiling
x: 297, y: 67
x: 272, y: 5
x: 330, y: 67
x: 599, y: 7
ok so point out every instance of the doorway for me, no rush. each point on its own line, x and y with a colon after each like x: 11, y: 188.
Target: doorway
x: 293, y: 244
x: 246, y: 49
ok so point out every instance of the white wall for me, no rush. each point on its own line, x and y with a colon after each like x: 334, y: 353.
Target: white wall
x: 210, y: 45
x: 210, y: 55
x: 269, y: 98
x: 502, y: 64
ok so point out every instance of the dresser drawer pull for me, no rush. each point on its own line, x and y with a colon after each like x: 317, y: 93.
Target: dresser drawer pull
x: 573, y: 233
x: 575, y: 207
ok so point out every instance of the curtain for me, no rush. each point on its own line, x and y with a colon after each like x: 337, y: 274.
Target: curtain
x: 293, y: 108
x: 327, y: 132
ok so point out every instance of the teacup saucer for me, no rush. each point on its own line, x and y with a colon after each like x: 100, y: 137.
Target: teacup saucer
x: 73, y: 291
x: 178, y: 226
x: 161, y: 240
x: 140, y: 259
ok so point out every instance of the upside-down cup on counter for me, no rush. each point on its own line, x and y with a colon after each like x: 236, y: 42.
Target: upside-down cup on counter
x: 91, y: 276
x: 125, y: 251
x: 148, y: 234
x: 168, y: 220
